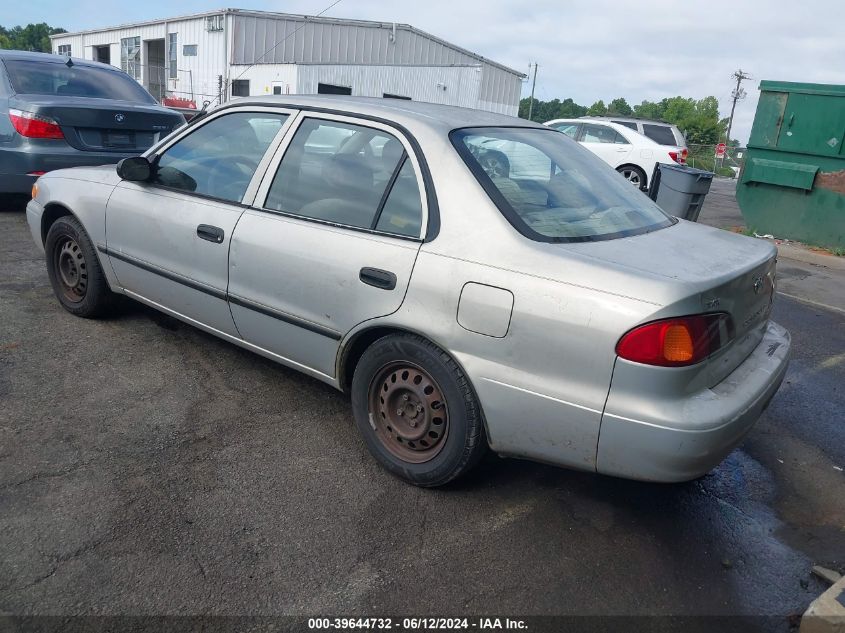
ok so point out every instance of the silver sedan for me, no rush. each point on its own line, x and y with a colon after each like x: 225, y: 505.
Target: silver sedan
x: 474, y: 281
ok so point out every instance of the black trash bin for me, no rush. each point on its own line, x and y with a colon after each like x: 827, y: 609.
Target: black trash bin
x: 680, y: 190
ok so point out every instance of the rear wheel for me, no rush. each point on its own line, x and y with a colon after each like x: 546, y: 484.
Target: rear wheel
x: 634, y: 175
x: 74, y: 270
x: 416, y: 411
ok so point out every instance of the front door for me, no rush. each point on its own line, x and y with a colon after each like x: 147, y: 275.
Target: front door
x: 334, y: 241
x: 168, y: 239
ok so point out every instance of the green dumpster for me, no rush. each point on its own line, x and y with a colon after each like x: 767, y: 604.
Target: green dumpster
x: 792, y: 184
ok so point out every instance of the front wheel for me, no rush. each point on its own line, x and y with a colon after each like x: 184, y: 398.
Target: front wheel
x: 417, y: 411
x: 634, y: 175
x: 74, y: 270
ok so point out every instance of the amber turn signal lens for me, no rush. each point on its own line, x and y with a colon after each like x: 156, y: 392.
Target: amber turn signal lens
x: 677, y: 344
x: 34, y: 190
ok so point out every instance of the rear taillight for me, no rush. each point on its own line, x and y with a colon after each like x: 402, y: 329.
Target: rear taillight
x: 34, y: 126
x: 676, y: 342
x: 680, y: 157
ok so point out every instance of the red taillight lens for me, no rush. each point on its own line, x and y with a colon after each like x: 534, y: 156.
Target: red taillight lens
x: 676, y: 342
x: 674, y: 156
x: 684, y: 154
x: 34, y: 126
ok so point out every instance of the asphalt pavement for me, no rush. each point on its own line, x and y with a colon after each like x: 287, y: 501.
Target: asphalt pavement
x: 149, y: 468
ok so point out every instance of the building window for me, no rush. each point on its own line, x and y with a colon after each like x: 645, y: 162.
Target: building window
x: 172, y: 48
x: 130, y: 56
x: 189, y: 50
x: 328, y: 89
x: 240, y: 88
x: 214, y: 23
x: 64, y: 49
x: 387, y: 95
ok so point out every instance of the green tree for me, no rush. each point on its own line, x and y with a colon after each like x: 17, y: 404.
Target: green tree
x: 597, y: 109
x: 619, y: 107
x: 32, y: 37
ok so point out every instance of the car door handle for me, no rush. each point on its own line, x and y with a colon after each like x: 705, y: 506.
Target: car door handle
x: 211, y: 233
x: 383, y: 279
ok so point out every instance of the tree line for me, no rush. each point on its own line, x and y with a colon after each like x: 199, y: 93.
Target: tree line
x: 697, y: 119
x: 32, y: 37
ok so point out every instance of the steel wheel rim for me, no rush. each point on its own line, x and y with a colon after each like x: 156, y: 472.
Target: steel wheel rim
x: 631, y: 176
x: 71, y: 269
x: 408, y: 412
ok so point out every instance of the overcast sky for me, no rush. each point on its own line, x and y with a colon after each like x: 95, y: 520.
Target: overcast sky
x: 586, y: 49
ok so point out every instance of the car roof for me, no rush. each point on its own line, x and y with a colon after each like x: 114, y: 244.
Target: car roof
x: 50, y: 58
x: 410, y: 114
x: 625, y: 131
x: 630, y: 119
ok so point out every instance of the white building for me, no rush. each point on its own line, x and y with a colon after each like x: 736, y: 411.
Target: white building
x: 252, y: 52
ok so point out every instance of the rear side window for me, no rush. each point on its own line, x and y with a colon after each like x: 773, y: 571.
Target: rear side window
x: 348, y: 174
x: 219, y: 158
x: 661, y: 134
x: 601, y: 134
x: 50, y: 78
x: 552, y: 190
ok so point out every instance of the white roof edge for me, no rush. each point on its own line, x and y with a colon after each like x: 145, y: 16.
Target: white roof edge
x: 296, y: 16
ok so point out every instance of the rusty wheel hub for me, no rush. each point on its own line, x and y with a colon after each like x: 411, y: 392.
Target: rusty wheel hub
x: 71, y: 270
x: 409, y: 412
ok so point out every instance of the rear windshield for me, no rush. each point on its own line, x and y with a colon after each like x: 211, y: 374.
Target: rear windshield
x: 51, y: 78
x: 553, y: 190
x: 660, y: 134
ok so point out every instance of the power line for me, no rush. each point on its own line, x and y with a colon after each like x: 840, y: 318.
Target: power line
x: 226, y: 84
x: 737, y: 94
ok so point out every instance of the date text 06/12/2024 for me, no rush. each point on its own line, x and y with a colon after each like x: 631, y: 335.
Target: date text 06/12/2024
x: 417, y: 624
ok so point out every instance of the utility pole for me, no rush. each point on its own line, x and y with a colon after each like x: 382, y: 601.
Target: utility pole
x: 737, y: 94
x: 533, y: 85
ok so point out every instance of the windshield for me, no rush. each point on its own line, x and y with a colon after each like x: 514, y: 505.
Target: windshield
x: 551, y: 189
x: 51, y: 78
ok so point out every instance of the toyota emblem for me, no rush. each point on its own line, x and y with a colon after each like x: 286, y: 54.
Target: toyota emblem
x: 119, y: 117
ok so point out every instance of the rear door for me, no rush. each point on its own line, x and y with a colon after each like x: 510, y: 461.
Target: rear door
x: 332, y: 240
x: 168, y: 239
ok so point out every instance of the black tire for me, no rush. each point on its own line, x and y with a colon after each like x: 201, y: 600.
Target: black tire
x: 447, y: 450
x: 74, y: 270
x: 634, y: 175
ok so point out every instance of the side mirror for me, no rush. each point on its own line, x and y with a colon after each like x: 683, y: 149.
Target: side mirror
x: 135, y: 168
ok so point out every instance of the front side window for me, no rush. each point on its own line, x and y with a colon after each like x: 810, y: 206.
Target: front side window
x: 130, y: 56
x: 219, y: 158
x: 51, y: 78
x: 551, y: 190
x: 348, y: 174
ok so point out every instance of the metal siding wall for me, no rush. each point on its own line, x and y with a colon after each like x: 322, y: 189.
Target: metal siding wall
x: 417, y: 82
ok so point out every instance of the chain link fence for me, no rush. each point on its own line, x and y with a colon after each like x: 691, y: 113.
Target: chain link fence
x: 704, y: 157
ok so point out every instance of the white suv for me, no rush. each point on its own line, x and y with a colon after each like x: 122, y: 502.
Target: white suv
x: 630, y: 153
x: 660, y: 132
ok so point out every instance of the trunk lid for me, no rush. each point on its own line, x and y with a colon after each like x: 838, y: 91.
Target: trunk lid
x: 702, y: 270
x: 103, y: 124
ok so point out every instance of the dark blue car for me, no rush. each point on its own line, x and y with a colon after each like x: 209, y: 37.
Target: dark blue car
x: 58, y: 112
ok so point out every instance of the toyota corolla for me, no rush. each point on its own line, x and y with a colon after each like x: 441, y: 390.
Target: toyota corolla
x: 547, y: 311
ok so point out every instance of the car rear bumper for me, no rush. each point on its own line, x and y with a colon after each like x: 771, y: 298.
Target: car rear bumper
x: 709, y: 425
x: 17, y: 164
